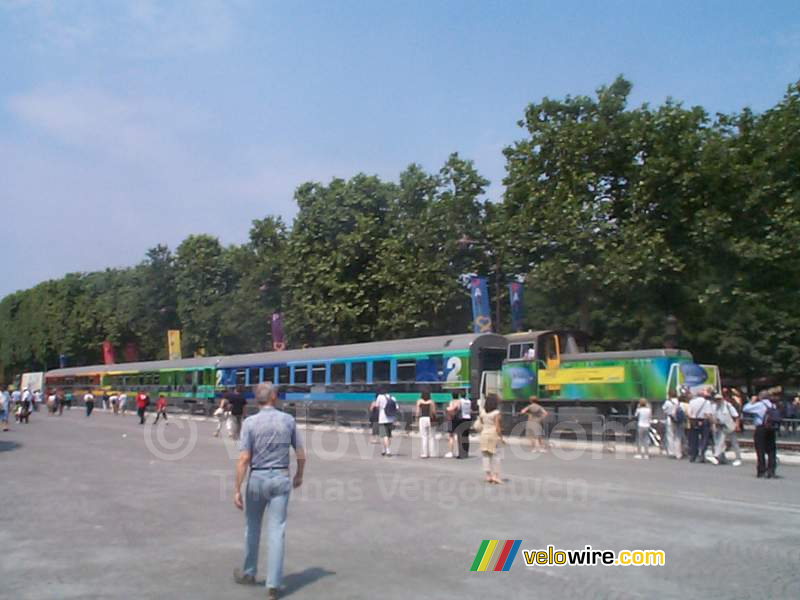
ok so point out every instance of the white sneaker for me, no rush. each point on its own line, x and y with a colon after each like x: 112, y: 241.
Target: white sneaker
x: 637, y: 456
x: 388, y: 453
x: 423, y: 456
x: 449, y: 455
x: 713, y: 460
x: 736, y: 463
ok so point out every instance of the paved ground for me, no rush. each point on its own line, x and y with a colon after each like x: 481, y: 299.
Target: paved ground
x: 95, y: 508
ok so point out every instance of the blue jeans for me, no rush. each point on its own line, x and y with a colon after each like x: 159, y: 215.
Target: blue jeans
x: 266, y: 490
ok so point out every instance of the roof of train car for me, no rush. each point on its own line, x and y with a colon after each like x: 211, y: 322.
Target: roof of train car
x: 441, y: 343
x: 623, y: 354
x: 155, y: 365
x: 408, y: 346
x: 531, y: 334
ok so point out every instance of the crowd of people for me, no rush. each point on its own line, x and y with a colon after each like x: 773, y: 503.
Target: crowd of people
x: 22, y: 403
x: 705, y: 425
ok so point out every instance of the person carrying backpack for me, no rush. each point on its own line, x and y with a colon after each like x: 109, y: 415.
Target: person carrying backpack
x: 767, y: 419
x: 387, y: 415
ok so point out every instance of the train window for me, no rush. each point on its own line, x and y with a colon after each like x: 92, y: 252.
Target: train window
x: 406, y: 371
x: 381, y: 371
x: 283, y: 375
x: 239, y: 376
x: 187, y: 378
x: 254, y: 377
x: 514, y: 351
x: 318, y: 374
x: 338, y: 372
x: 268, y: 374
x: 358, y: 373
x: 300, y: 375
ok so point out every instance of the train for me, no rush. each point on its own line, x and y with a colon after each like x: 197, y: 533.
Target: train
x: 551, y: 364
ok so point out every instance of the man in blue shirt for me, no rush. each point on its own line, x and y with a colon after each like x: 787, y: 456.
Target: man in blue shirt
x: 264, y: 448
x: 763, y: 437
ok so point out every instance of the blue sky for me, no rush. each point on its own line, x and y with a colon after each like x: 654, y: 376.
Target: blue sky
x: 124, y: 125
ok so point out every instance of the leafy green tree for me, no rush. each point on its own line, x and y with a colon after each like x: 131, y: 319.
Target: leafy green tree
x: 203, y: 280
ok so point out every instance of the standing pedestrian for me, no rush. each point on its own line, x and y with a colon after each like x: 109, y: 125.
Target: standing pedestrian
x: 88, y: 401
x: 123, y: 403
x: 387, y: 414
x: 766, y: 420
x: 700, y: 411
x: 223, y: 414
x: 450, y: 412
x: 27, y: 397
x: 106, y: 401
x: 463, y: 424
x: 237, y: 402
x: 491, y: 437
x: 24, y: 409
x: 61, y: 402
x: 644, y: 417
x: 5, y: 409
x: 264, y: 449
x: 161, y: 408
x: 142, y: 400
x: 52, y: 403
x: 425, y: 411
x: 726, y: 419
x: 36, y: 401
x: 534, y: 428
x: 674, y: 416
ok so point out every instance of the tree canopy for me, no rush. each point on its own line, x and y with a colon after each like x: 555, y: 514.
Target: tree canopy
x: 616, y: 217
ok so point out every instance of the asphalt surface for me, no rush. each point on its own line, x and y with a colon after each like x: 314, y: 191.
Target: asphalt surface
x: 103, y: 508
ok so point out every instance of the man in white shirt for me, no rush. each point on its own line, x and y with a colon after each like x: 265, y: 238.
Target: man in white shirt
x: 123, y: 403
x: 725, y: 416
x: 463, y: 422
x: 387, y: 414
x: 674, y: 427
x: 88, y: 400
x: 701, y: 410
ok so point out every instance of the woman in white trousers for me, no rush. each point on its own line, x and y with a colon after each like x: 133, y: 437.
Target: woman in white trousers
x: 426, y: 410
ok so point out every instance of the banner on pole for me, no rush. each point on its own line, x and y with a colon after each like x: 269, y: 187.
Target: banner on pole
x: 62, y: 361
x: 278, y: 342
x: 174, y: 344
x: 130, y: 352
x: 481, y: 319
x: 515, y: 295
x: 108, y: 353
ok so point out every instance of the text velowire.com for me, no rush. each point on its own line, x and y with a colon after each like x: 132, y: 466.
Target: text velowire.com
x: 591, y: 557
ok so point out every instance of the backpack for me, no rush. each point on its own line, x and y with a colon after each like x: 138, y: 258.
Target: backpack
x: 772, y: 417
x: 390, y: 410
x: 678, y: 416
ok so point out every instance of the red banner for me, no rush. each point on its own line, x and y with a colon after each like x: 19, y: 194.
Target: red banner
x: 278, y: 342
x: 108, y: 353
x: 130, y: 352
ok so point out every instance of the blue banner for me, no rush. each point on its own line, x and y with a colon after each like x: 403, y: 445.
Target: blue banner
x: 515, y: 296
x: 481, y: 319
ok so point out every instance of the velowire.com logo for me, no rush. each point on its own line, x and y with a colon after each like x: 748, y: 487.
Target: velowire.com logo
x: 499, y: 553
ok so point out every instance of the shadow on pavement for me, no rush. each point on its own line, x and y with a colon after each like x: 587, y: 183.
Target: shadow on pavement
x: 295, y: 581
x: 5, y: 446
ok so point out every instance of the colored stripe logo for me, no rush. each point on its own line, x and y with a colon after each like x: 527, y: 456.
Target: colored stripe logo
x: 500, y: 553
